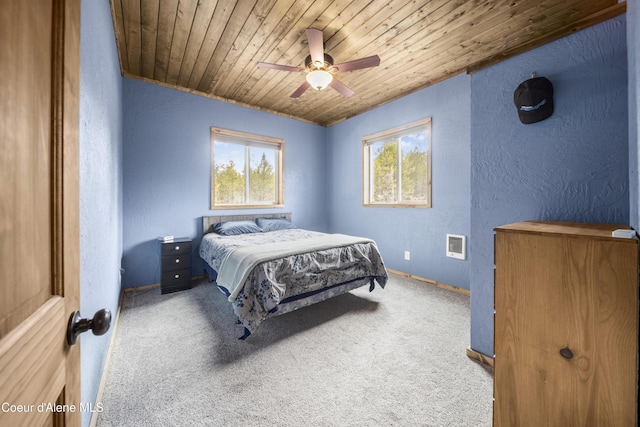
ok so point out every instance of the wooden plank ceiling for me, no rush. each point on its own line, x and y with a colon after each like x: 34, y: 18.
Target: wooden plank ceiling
x: 211, y: 47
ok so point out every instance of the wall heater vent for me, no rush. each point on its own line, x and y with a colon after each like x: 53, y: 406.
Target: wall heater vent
x: 456, y: 246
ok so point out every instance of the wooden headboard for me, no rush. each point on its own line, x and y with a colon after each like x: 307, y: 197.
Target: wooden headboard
x: 208, y: 221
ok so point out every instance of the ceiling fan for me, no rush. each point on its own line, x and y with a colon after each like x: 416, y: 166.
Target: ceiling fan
x: 320, y: 69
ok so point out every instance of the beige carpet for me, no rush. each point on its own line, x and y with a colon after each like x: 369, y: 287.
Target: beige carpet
x: 393, y: 357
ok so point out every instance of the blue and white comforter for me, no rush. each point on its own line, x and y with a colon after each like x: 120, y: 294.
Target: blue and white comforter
x: 271, y: 282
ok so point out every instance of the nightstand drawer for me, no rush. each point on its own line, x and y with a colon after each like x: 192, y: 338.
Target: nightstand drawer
x: 176, y: 262
x: 175, y: 248
x: 177, y: 277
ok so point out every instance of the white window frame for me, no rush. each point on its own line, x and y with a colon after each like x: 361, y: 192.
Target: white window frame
x: 367, y: 159
x: 249, y: 140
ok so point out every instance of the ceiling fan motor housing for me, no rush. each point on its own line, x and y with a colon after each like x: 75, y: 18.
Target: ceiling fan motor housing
x: 328, y: 62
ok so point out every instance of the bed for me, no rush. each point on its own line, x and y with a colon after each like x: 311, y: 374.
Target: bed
x: 266, y: 266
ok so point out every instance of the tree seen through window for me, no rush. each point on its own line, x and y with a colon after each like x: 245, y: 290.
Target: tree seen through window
x: 245, y: 172
x: 397, y: 166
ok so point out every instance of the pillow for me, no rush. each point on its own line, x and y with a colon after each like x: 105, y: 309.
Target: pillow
x: 273, y: 224
x: 232, y: 228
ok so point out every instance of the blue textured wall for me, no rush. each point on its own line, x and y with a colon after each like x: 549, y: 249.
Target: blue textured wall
x: 100, y: 185
x: 167, y: 177
x: 570, y: 167
x: 633, y: 59
x: 420, y: 231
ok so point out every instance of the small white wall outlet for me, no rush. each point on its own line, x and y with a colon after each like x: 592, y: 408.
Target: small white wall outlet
x: 407, y: 255
x: 456, y: 246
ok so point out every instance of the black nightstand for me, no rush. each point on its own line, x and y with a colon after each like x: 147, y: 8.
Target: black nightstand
x: 176, y: 265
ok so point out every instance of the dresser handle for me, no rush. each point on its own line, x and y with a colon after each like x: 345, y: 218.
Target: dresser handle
x: 566, y: 353
x: 177, y: 248
x: 178, y: 261
x: 177, y: 276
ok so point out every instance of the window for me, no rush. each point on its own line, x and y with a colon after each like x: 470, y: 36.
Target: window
x: 397, y: 166
x: 246, y: 170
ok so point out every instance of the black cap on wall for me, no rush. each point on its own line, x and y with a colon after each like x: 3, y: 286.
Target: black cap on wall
x: 534, y: 100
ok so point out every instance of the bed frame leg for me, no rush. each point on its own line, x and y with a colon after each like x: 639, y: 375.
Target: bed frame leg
x: 245, y: 335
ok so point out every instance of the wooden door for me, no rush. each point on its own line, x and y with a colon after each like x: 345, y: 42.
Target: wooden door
x: 565, y: 328
x: 39, y: 224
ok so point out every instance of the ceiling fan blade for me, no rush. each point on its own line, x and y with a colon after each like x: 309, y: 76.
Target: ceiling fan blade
x: 340, y: 87
x: 279, y: 67
x: 301, y: 89
x: 316, y: 45
x: 358, y: 64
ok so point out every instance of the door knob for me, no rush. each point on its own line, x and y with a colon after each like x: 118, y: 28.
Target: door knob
x: 99, y: 325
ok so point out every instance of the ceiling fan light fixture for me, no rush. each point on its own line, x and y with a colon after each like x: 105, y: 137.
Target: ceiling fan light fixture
x: 319, y: 79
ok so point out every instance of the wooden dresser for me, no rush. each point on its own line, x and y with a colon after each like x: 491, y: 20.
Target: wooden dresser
x: 566, y: 325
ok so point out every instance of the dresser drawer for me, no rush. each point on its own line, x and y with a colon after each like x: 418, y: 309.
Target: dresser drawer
x: 176, y: 248
x: 176, y: 262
